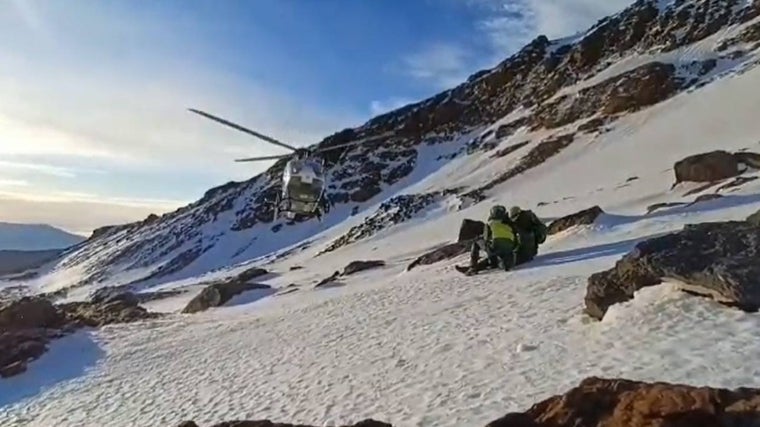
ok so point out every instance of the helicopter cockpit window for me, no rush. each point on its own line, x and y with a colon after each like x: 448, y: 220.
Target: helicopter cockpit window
x: 315, y: 166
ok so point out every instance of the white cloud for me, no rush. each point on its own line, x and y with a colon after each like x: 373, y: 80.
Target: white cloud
x: 390, y: 104
x: 13, y: 183
x: 441, y: 64
x: 505, y: 26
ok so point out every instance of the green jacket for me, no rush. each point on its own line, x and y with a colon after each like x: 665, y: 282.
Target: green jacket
x: 528, y: 222
x: 498, y: 229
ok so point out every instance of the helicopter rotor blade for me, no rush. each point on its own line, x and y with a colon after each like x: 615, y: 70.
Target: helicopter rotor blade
x: 256, y: 159
x: 352, y: 143
x: 266, y: 138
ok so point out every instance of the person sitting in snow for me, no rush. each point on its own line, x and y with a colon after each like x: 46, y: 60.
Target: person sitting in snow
x: 531, y: 231
x: 499, y: 242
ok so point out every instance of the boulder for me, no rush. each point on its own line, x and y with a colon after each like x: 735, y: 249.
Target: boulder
x: 112, y: 294
x: 250, y: 274
x: 598, y: 402
x: 115, y: 311
x: 470, y: 229
x: 27, y: 325
x: 584, y: 217
x: 357, y: 266
x: 218, y: 293
x: 28, y: 313
x: 17, y: 347
x: 443, y: 253
x: 720, y: 260
x: 707, y: 167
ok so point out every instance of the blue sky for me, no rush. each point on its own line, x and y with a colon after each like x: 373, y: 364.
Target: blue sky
x: 93, y: 122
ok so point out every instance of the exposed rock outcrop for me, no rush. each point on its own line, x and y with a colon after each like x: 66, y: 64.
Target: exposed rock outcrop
x: 449, y: 251
x: 707, y: 167
x: 219, y: 293
x: 470, y: 229
x: 28, y: 325
x: 720, y: 260
x: 352, y: 268
x: 584, y: 217
x: 393, y: 211
x: 714, y: 166
x: 358, y: 266
x: 599, y: 402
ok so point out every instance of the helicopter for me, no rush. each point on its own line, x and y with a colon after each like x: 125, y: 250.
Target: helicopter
x: 303, y: 185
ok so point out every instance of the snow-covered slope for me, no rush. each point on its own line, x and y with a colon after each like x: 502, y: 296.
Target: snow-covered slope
x: 561, y: 126
x: 551, y: 98
x: 35, y: 237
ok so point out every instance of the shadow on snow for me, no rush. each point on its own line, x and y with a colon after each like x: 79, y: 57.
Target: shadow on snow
x: 67, y: 358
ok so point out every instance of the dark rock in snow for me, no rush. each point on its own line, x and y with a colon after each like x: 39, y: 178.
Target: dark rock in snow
x: 598, y: 402
x: 443, y: 253
x: 251, y: 273
x: 663, y: 205
x: 357, y: 266
x: 470, y: 229
x: 712, y: 166
x: 584, y: 217
x: 110, y: 294
x: 720, y: 260
x: 736, y: 182
x: 27, y: 325
x: 115, y: 311
x: 218, y: 293
x: 29, y: 313
x: 391, y: 212
x: 328, y: 280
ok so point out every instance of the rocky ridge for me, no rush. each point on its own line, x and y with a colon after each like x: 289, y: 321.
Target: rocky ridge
x: 604, y: 402
x: 537, y: 80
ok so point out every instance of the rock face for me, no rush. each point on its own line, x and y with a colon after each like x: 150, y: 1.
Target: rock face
x: 584, y: 217
x: 393, y: 211
x: 598, y: 402
x: 470, y: 229
x: 443, y: 253
x: 357, y: 266
x: 352, y: 268
x: 27, y: 325
x: 267, y: 423
x: 720, y: 260
x: 715, y: 166
x: 707, y: 167
x: 219, y: 293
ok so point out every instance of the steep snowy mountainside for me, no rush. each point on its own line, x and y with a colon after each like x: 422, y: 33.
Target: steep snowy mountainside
x: 548, y: 98
x: 35, y: 237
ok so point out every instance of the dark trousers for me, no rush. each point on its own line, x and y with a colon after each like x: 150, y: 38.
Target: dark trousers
x: 528, y: 247
x: 499, y: 254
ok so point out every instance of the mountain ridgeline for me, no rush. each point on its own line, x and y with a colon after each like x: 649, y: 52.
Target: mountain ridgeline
x: 561, y: 88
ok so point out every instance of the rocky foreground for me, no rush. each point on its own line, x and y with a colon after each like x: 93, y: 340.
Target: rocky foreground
x: 27, y: 325
x: 598, y: 402
x: 720, y: 260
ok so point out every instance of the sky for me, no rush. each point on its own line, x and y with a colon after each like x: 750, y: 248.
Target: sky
x: 94, y: 127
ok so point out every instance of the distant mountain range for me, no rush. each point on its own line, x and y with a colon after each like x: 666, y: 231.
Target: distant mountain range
x: 35, y: 237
